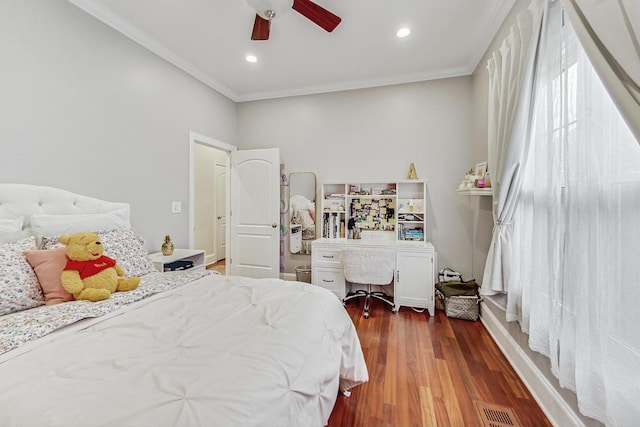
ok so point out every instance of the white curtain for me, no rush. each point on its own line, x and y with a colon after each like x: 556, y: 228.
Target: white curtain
x: 511, y: 77
x: 609, y: 31
x: 576, y: 223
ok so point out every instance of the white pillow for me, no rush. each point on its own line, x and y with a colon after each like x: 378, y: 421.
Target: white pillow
x: 56, y: 225
x: 11, y: 229
x: 19, y: 288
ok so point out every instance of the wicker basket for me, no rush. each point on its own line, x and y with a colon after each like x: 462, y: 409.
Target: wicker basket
x: 461, y: 307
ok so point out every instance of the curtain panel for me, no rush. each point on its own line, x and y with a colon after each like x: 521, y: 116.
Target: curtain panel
x: 573, y: 265
x: 511, y: 79
x: 609, y: 31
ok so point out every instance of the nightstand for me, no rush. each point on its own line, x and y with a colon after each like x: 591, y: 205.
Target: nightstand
x: 193, y: 255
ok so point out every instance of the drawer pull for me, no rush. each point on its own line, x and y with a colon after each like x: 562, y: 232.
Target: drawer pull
x: 327, y: 281
x: 327, y: 256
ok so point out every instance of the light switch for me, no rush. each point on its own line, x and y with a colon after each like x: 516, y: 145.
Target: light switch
x: 176, y: 207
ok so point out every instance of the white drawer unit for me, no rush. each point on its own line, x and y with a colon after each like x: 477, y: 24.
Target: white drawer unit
x: 328, y: 257
x: 331, y: 279
x: 414, y: 269
x: 326, y: 263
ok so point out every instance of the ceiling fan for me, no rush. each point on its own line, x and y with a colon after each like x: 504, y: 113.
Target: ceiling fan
x: 268, y: 10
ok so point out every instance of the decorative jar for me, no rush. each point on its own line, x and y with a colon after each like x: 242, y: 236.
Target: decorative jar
x: 167, y: 246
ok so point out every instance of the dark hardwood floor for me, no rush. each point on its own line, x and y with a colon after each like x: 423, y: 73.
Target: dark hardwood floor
x: 218, y: 266
x: 432, y: 371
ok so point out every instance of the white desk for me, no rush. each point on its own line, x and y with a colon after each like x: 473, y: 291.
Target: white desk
x: 414, y: 277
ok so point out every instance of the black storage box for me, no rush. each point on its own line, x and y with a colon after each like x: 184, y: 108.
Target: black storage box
x: 178, y: 265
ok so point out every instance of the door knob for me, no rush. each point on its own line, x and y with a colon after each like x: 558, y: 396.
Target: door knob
x: 274, y: 225
x: 219, y: 217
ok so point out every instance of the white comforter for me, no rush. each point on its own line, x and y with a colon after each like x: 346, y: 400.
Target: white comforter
x: 221, y: 351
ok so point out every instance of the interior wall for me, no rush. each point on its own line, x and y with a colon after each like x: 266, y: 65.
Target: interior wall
x: 86, y: 109
x: 374, y: 134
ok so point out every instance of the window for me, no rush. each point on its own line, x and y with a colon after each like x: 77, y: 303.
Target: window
x: 578, y: 229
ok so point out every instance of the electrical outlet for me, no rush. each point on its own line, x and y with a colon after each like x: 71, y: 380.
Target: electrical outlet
x: 176, y: 207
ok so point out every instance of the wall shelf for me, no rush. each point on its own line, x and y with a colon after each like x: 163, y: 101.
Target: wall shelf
x: 475, y: 192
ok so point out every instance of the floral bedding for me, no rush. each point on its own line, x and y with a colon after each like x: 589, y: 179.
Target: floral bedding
x: 19, y: 328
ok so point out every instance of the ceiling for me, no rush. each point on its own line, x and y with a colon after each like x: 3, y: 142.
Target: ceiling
x: 209, y: 39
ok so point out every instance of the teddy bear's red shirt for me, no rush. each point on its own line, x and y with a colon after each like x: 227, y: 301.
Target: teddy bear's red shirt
x: 90, y: 267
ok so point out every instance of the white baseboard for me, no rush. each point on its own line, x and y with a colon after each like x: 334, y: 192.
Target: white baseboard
x: 210, y: 259
x: 557, y: 410
x: 288, y: 276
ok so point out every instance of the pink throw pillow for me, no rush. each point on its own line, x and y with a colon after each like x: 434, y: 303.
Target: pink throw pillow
x: 48, y: 265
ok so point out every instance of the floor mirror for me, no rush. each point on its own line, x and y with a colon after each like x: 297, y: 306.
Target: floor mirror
x: 302, y: 211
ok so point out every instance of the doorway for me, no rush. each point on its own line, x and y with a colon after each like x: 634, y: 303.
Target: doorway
x: 209, y: 160
x: 254, y: 177
x: 220, y: 215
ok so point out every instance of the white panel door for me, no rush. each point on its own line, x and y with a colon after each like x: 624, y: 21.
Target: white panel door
x: 255, y: 213
x: 221, y: 211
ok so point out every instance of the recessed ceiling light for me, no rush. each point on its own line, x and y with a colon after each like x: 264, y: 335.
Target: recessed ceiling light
x: 251, y: 58
x: 403, y: 32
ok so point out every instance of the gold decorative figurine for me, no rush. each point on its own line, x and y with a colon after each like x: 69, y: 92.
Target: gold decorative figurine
x: 411, y: 174
x: 167, y: 246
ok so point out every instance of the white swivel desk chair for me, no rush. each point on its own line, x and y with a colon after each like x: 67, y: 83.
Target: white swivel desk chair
x: 369, y: 266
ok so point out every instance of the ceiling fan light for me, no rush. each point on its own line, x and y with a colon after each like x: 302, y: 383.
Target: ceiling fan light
x: 271, y: 9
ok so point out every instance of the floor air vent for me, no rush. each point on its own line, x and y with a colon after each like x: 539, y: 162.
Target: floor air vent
x: 496, y: 415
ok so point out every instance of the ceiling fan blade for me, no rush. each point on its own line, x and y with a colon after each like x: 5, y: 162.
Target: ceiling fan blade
x: 261, y: 28
x: 319, y: 15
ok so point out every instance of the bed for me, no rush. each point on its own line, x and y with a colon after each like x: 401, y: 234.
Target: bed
x: 187, y: 348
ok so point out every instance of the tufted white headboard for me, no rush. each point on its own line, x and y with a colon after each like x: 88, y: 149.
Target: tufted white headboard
x: 25, y: 200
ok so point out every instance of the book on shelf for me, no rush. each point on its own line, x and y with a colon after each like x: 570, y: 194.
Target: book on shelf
x: 410, y: 217
x: 415, y: 234
x: 333, y: 225
x: 412, y: 233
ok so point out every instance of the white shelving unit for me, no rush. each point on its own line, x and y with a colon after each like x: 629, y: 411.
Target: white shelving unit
x: 334, y: 202
x: 389, y: 207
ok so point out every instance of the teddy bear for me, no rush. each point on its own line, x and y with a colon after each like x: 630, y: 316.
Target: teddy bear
x: 90, y: 275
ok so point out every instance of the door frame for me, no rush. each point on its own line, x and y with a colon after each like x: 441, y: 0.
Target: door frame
x: 218, y: 252
x: 196, y: 138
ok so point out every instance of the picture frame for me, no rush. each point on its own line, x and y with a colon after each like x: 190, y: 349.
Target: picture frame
x: 481, y: 169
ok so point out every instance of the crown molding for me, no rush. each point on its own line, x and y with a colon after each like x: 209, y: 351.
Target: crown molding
x: 134, y: 33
